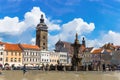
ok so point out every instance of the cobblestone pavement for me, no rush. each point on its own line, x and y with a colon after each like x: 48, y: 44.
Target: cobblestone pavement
x: 58, y: 75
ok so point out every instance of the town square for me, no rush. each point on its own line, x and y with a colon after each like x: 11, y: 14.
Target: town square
x: 53, y: 75
x: 59, y: 40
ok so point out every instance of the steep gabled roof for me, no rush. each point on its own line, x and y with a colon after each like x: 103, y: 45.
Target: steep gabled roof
x: 59, y: 42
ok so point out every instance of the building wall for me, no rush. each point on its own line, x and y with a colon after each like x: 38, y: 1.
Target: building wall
x: 2, y: 47
x: 45, y: 57
x: 54, y: 57
x: 13, y: 57
x: 86, y: 58
x: 63, y: 58
x: 116, y: 57
x: 31, y: 57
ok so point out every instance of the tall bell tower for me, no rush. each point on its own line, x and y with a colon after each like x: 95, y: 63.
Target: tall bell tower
x: 42, y: 35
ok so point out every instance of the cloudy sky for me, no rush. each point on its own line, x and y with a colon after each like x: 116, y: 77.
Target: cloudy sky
x: 97, y: 20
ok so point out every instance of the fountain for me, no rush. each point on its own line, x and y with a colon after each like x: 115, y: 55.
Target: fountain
x: 76, y: 59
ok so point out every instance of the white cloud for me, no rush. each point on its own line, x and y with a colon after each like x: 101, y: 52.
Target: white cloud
x: 94, y: 43
x: 52, y: 26
x: 76, y: 25
x: 33, y: 41
x: 52, y: 41
x: 13, y: 26
x: 68, y: 31
x: 110, y: 37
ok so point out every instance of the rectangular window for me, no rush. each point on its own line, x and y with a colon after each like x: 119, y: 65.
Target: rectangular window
x: 43, y: 43
x: 1, y: 53
x: 33, y: 59
x: 6, y: 59
x: 43, y: 37
x: 11, y: 59
x: 27, y: 59
x: 15, y: 53
x: 0, y: 59
x: 19, y: 59
x: 27, y: 53
x: 15, y: 59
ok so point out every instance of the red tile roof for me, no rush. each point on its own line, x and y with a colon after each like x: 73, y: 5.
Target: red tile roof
x: 12, y: 47
x: 109, y: 46
x: 96, y: 51
x: 28, y: 46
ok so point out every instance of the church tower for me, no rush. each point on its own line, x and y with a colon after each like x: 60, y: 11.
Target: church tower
x: 42, y: 35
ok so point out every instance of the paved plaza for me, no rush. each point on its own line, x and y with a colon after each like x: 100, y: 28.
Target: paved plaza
x: 59, y: 75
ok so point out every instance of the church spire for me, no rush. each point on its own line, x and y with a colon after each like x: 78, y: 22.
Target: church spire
x: 41, y: 19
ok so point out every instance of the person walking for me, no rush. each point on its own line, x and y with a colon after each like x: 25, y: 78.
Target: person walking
x: 104, y: 68
x: 24, y: 69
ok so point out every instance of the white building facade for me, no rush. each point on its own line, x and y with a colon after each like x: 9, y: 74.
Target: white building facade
x: 63, y: 58
x: 31, y: 55
x: 44, y: 57
x: 54, y: 57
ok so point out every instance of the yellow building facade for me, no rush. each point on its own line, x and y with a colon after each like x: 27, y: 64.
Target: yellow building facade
x: 12, y: 55
x: 54, y: 58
